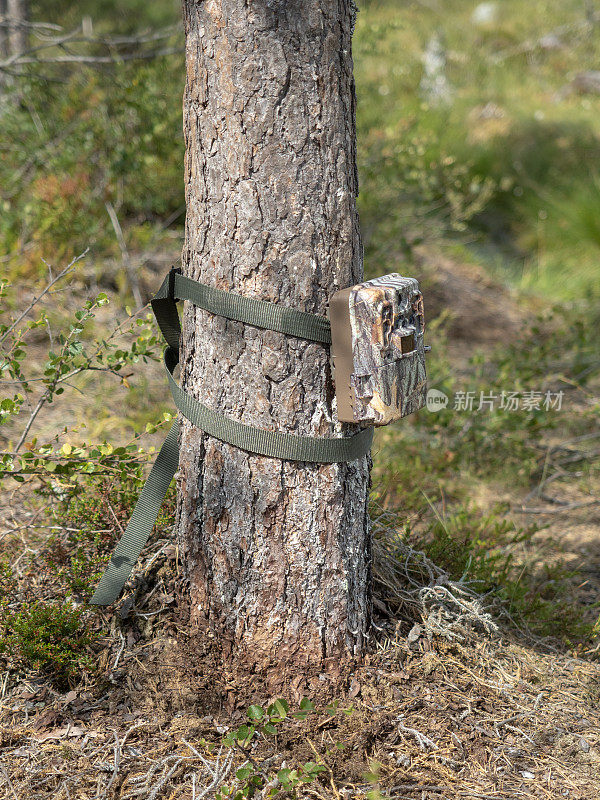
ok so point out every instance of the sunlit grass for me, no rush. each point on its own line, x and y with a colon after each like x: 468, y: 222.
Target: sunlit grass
x: 514, y: 120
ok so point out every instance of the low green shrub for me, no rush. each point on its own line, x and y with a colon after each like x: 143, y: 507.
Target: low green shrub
x: 445, y: 455
x: 556, y: 352
x: 72, y: 351
x: 499, y: 560
x: 89, y: 488
x: 51, y: 638
x: 107, y: 138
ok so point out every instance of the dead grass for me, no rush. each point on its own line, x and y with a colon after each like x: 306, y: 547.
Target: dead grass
x: 458, y: 708
x: 431, y: 719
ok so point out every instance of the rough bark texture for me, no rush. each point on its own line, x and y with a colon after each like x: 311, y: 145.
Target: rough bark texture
x: 277, y: 554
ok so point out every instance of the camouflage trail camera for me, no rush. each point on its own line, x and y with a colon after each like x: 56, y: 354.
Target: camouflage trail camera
x: 378, y: 353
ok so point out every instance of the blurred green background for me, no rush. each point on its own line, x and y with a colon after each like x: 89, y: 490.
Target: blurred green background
x: 493, y: 152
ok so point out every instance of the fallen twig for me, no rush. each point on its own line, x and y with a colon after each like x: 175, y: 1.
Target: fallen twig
x: 560, y: 510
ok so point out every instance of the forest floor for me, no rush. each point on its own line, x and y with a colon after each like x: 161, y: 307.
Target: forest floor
x: 492, y: 718
x: 458, y: 698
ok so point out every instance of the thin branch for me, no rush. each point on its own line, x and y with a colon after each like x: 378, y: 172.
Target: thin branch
x: 560, y: 510
x: 12, y: 24
x: 73, y: 59
x: 119, y: 654
x: 62, y: 274
x: 117, y: 764
x: 78, y: 36
x: 16, y: 57
x: 31, y: 420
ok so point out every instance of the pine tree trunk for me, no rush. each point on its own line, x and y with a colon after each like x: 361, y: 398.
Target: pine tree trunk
x: 3, y: 32
x: 277, y: 554
x: 17, y: 12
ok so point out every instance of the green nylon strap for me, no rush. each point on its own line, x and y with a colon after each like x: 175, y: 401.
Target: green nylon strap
x: 285, y: 446
x: 264, y: 315
x: 141, y: 523
x: 259, y: 313
x: 263, y: 442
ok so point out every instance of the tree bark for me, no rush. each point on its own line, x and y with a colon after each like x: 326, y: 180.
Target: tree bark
x: 3, y: 31
x: 18, y: 15
x: 277, y: 554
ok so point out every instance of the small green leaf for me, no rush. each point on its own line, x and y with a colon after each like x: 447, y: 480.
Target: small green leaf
x: 283, y: 775
x: 242, y: 732
x: 311, y: 768
x: 243, y: 773
x: 256, y: 712
x: 279, y: 708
